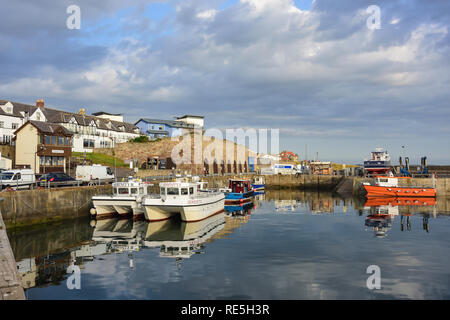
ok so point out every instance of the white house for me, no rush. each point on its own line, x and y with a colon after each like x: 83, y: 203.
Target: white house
x: 89, y: 131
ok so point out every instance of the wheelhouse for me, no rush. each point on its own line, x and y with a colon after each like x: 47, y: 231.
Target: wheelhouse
x: 127, y: 189
x: 240, y: 186
x: 177, y: 189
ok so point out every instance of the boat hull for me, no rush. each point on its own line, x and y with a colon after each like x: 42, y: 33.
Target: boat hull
x: 258, y: 187
x: 108, y: 207
x: 236, y: 198
x: 191, y: 211
x: 379, y: 191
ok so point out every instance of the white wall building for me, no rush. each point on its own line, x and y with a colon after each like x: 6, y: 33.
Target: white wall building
x: 89, y: 131
x: 198, y: 121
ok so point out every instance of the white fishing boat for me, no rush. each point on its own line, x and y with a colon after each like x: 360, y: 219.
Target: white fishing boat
x: 125, y: 199
x: 182, y: 198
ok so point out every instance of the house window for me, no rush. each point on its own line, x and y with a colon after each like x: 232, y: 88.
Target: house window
x: 54, y: 140
x: 67, y: 141
x: 42, y: 160
x: 2, y: 124
x: 88, y: 143
x: 15, y: 125
x: 48, y: 140
x: 61, y: 141
x: 38, y: 116
x: 60, y: 161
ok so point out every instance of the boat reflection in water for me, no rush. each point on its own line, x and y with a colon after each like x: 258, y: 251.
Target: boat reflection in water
x: 383, y: 210
x: 181, y: 240
x: 243, y: 209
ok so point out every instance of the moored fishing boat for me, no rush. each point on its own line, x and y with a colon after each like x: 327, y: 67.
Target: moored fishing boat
x: 182, y: 198
x: 125, y: 199
x: 388, y: 187
x: 239, y: 191
x: 379, y: 163
x: 259, y: 184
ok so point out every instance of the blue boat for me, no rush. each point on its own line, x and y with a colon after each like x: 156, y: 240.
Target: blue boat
x: 240, y: 191
x: 259, y: 184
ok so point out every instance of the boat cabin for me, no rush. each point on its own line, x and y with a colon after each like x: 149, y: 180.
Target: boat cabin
x: 259, y: 180
x: 130, y: 188
x: 388, y: 181
x: 240, y: 186
x: 178, y: 189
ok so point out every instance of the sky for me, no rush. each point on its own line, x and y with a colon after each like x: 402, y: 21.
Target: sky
x: 311, y: 68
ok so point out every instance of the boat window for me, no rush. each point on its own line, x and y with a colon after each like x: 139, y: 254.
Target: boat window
x: 383, y: 180
x: 172, y: 191
x: 184, y: 191
x: 133, y: 190
x: 163, y: 191
x: 191, y: 190
x: 141, y: 190
x: 123, y: 190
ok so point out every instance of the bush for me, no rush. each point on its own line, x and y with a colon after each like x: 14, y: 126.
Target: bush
x: 140, y: 139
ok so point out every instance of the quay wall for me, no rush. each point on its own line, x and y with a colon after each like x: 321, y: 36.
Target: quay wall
x: 29, y: 207
x: 10, y: 280
x: 442, y: 185
x: 315, y: 182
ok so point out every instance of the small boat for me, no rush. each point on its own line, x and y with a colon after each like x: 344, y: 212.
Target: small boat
x: 379, y: 163
x: 259, y: 184
x: 388, y: 187
x: 239, y: 191
x: 124, y: 201
x: 182, y: 198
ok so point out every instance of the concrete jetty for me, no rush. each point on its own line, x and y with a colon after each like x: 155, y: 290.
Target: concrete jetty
x: 10, y: 281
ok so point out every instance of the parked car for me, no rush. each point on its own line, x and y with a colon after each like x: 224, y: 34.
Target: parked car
x: 56, y: 179
x: 17, y: 179
x: 94, y: 173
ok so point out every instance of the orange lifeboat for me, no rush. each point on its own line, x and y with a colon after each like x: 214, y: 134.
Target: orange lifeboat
x: 388, y: 187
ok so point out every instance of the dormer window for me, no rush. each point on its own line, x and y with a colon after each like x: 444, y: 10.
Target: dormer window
x: 9, y: 110
x: 38, y: 116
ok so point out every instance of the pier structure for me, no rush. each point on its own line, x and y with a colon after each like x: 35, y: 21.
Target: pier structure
x: 10, y: 281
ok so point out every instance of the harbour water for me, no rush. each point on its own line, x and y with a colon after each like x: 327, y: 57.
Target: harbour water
x: 287, y: 245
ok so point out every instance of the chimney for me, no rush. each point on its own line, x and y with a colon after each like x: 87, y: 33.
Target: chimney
x: 82, y: 112
x: 40, y: 103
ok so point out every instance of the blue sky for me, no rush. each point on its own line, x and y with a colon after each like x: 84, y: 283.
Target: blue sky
x: 310, y: 68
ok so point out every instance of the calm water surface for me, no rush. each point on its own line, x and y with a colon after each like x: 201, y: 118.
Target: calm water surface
x: 290, y: 245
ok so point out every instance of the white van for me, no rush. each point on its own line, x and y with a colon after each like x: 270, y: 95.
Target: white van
x: 284, y: 169
x: 17, y: 179
x: 94, y: 173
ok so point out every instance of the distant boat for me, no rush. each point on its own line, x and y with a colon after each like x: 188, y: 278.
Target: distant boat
x: 379, y: 163
x: 259, y: 184
x: 239, y: 191
x: 388, y: 187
